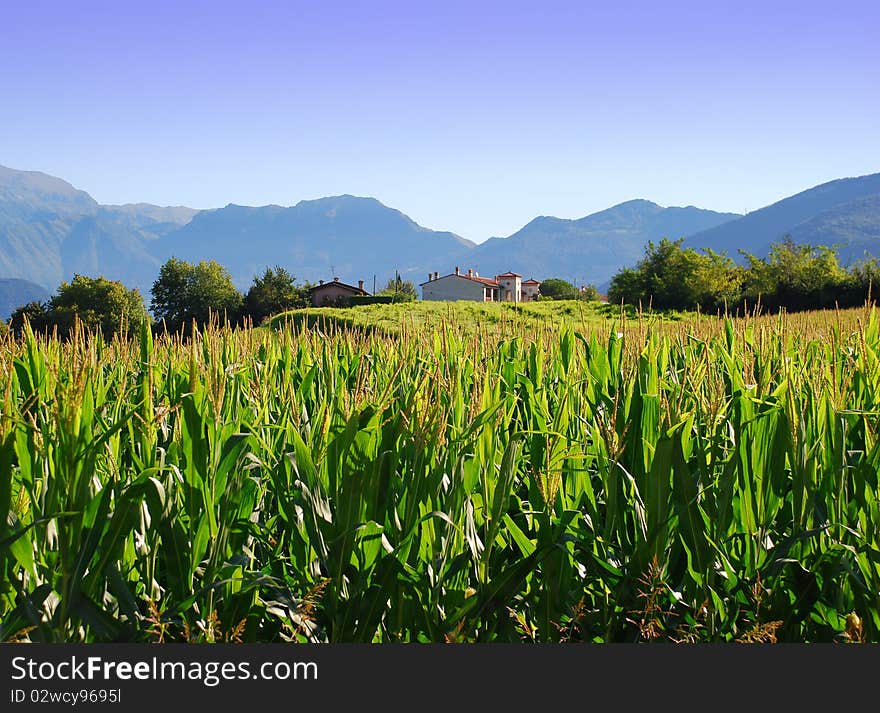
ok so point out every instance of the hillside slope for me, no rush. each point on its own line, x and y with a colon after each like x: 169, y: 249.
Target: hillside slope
x: 844, y: 212
x: 590, y: 250
x: 15, y: 293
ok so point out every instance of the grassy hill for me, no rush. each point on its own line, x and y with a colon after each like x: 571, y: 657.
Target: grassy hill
x: 487, y: 318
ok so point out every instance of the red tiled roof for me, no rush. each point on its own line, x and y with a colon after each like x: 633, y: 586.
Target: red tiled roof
x: 509, y: 274
x: 464, y: 276
x: 484, y: 280
x: 531, y: 282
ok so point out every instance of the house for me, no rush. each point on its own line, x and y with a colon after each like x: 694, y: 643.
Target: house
x: 506, y: 287
x: 511, y: 286
x: 531, y: 289
x: 335, y: 293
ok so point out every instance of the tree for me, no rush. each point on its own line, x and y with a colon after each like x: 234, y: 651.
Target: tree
x: 98, y: 303
x: 554, y: 288
x: 792, y: 276
x: 589, y: 293
x: 627, y: 286
x: 863, y: 283
x: 401, y: 290
x: 796, y: 277
x: 276, y: 291
x: 185, y: 292
x: 672, y: 277
x: 169, y: 292
x: 34, y: 312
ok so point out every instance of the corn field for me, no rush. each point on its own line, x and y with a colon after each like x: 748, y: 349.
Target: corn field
x: 706, y: 482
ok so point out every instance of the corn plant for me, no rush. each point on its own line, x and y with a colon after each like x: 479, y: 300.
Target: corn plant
x: 706, y: 480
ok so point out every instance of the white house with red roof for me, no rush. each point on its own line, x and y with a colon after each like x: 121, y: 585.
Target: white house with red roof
x: 507, y: 287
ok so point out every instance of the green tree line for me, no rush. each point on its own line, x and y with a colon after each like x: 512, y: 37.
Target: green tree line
x: 555, y: 288
x: 183, y: 294
x: 793, y: 277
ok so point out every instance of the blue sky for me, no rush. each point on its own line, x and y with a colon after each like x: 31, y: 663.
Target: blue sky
x: 473, y: 116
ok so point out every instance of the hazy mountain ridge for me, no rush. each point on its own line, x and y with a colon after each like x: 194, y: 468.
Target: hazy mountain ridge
x: 816, y: 216
x: 145, y: 214
x: 15, y: 293
x: 855, y: 226
x: 346, y: 236
x: 590, y: 249
x: 40, y: 195
x: 50, y: 230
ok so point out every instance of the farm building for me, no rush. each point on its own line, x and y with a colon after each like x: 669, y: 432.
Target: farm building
x: 507, y: 287
x: 530, y: 290
x: 333, y: 293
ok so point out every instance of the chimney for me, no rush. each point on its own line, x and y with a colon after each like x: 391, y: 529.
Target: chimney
x: 320, y: 282
x: 429, y: 277
x: 335, y: 279
x: 436, y: 275
x: 360, y: 285
x: 456, y: 269
x: 470, y: 272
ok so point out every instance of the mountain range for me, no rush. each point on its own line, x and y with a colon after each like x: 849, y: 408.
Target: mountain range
x: 844, y: 213
x: 50, y: 231
x: 15, y: 293
x: 591, y: 249
x: 346, y: 236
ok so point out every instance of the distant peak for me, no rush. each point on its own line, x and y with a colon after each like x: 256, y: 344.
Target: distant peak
x: 637, y: 203
x: 240, y: 207
x: 340, y: 199
x: 146, y: 206
x: 39, y: 181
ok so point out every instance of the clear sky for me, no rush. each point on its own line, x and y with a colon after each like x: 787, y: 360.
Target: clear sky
x: 469, y: 116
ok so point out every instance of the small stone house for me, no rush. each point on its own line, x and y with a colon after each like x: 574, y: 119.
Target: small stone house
x: 335, y: 293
